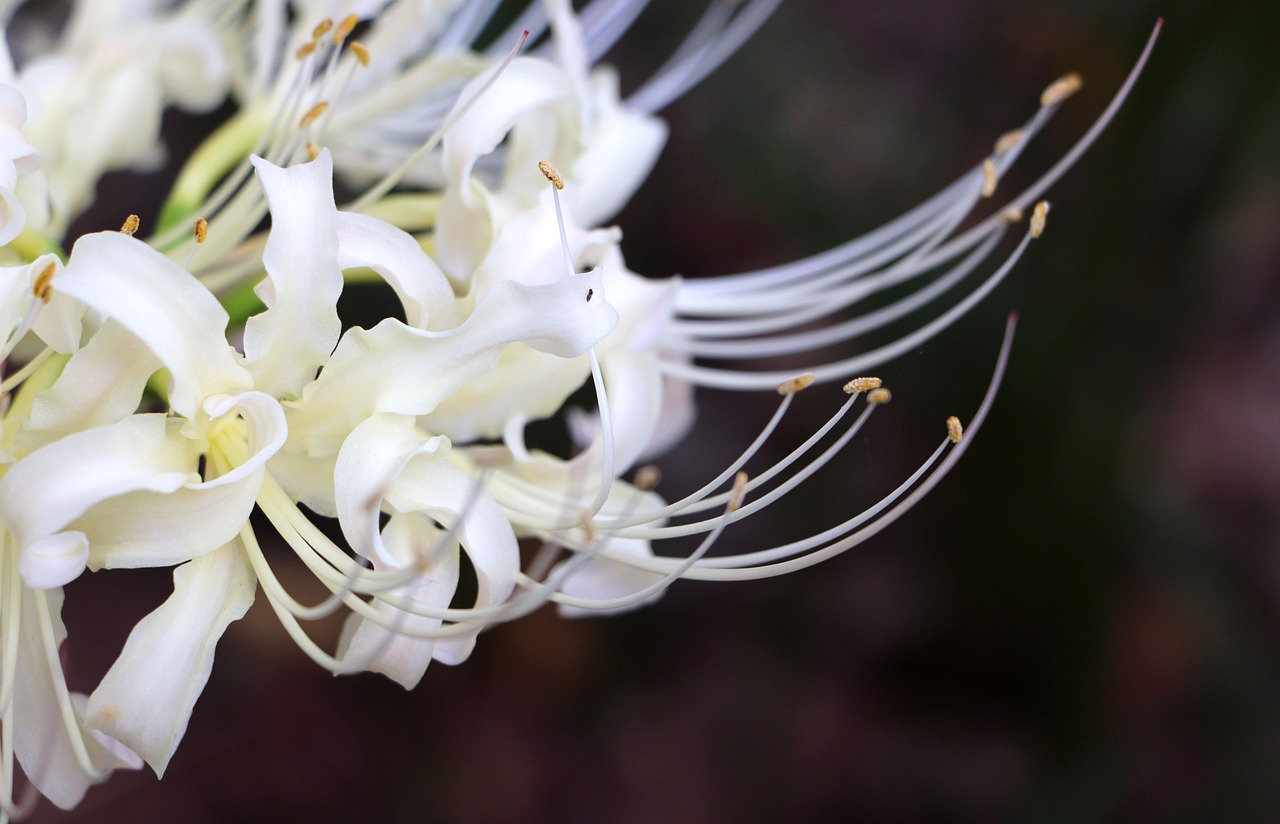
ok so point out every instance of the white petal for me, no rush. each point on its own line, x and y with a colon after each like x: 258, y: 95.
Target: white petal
x: 422, y: 288
x: 41, y: 740
x: 155, y: 299
x: 400, y: 657
x: 148, y: 529
x: 101, y: 384
x: 602, y: 579
x: 47, y: 490
x: 394, y: 368
x: 146, y: 698
x: 285, y: 345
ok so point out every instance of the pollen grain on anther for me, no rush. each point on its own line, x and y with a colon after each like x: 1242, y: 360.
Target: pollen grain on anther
x: 1038, y: 218
x: 43, y: 286
x: 797, y: 384
x: 864, y: 384
x: 1060, y: 89
x: 879, y: 396
x: 313, y: 114
x: 550, y: 172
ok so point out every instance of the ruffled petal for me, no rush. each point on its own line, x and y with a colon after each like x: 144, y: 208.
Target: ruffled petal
x: 285, y: 345
x: 164, y: 305
x: 46, y: 491
x: 149, y: 529
x: 395, y: 368
x: 146, y: 698
x: 424, y: 292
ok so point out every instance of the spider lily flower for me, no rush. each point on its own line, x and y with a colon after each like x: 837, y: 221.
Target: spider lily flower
x: 95, y: 100
x: 17, y: 159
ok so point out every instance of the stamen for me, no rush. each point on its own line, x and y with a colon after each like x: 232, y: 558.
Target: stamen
x: 43, y: 286
x: 313, y: 149
x: 878, y: 396
x: 1060, y: 89
x: 345, y: 28
x: 1038, y: 218
x: 739, y: 493
x: 955, y: 431
x: 201, y: 230
x: 305, y: 50
x: 322, y: 28
x: 647, y: 478
x: 1009, y: 139
x: 989, y: 178
x: 360, y: 51
x: 131, y: 224
x: 314, y: 114
x: 551, y: 173
x: 796, y: 384
x: 1011, y: 216
x: 861, y: 385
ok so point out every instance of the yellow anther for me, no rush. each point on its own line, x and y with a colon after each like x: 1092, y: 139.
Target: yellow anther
x: 989, y: 178
x: 1008, y: 140
x: 201, y: 230
x: 1038, y: 218
x: 322, y: 28
x: 43, y: 286
x: 551, y: 173
x: 1060, y: 89
x: 345, y: 28
x: 1011, y: 216
x: 360, y: 51
x: 131, y: 224
x: 954, y: 430
x: 647, y: 477
x: 305, y: 50
x: 314, y: 114
x: 861, y: 385
x: 313, y: 149
x: 739, y: 492
x: 796, y: 384
x: 878, y: 396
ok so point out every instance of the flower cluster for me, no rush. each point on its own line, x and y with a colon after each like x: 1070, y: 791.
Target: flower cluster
x: 158, y: 391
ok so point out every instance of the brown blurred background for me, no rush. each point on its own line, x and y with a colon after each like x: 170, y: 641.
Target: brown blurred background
x: 1081, y: 624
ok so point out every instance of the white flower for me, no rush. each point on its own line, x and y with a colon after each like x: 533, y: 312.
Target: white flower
x: 17, y: 159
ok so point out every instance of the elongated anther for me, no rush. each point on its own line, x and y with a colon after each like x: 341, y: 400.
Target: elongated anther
x: 955, y: 431
x: 360, y: 51
x: 322, y: 28
x: 1038, y: 218
x: 345, y: 28
x: 739, y: 493
x: 1060, y: 89
x: 796, y: 384
x: 131, y: 224
x: 861, y: 385
x: 314, y: 114
x: 879, y: 396
x: 201, y: 230
x: 551, y: 173
x: 989, y: 178
x: 43, y: 286
x: 305, y: 50
x: 1008, y: 140
x: 313, y: 149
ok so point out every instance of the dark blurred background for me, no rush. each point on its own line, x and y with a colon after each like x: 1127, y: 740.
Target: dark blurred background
x: 1081, y: 624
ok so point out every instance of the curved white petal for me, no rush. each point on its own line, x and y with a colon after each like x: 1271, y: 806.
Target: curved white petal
x: 149, y: 529
x: 424, y: 292
x: 44, y: 492
x: 395, y: 368
x: 146, y: 698
x: 285, y: 345
x: 601, y: 579
x: 408, y: 537
x: 164, y: 305
x: 41, y: 739
x: 101, y: 384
